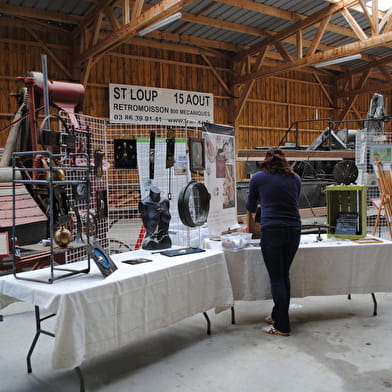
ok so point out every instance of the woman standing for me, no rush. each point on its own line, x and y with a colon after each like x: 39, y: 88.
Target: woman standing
x: 276, y: 187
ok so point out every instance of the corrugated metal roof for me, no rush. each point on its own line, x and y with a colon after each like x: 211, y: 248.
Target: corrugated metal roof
x: 72, y: 7
x: 233, y: 14
x: 307, y: 7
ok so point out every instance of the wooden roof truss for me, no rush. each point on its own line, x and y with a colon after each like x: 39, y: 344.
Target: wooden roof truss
x: 114, y: 22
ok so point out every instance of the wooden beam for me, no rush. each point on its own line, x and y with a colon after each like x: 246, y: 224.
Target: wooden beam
x: 356, y: 112
x: 230, y: 26
x: 137, y: 9
x: 388, y: 26
x: 386, y: 18
x: 301, y: 25
x: 97, y: 28
x: 37, y: 25
x: 152, y: 15
x: 351, y: 100
x: 345, y: 50
x: 166, y: 61
x: 371, y: 64
x: 248, y: 87
x: 83, y: 21
x: 64, y: 48
x: 319, y: 34
x: 385, y: 72
x: 215, y: 72
x: 221, y: 24
x: 374, y: 16
x: 112, y: 18
x: 126, y: 10
x: 40, y: 14
x: 324, y: 90
x: 263, y: 9
x: 283, y: 52
x: 85, y: 40
x: 354, y: 24
x: 373, y: 27
x: 184, y: 26
x: 86, y: 71
x: 368, y: 89
x: 49, y: 52
x: 285, y: 15
x: 175, y: 47
x: 199, y: 45
x: 299, y: 44
x: 91, y: 19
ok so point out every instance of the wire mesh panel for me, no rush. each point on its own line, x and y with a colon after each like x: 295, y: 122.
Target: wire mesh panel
x: 128, y: 186
x: 370, y: 146
x: 88, y: 137
x: 129, y: 171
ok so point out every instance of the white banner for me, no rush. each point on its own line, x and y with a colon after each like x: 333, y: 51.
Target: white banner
x: 158, y: 106
x: 220, y: 180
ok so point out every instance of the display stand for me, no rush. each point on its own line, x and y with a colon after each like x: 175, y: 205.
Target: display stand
x: 44, y: 181
x: 346, y: 211
x: 384, y: 180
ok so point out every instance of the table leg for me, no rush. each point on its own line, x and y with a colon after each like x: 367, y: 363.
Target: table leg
x: 208, y: 323
x: 232, y: 315
x: 38, y: 332
x: 375, y: 304
x: 81, y: 379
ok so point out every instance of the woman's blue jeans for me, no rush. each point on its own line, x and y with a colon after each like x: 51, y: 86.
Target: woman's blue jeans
x: 278, y: 246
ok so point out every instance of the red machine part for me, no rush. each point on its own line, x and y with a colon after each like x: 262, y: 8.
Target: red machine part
x: 62, y: 95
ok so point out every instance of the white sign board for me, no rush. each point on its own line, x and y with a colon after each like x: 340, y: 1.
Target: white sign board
x: 158, y: 106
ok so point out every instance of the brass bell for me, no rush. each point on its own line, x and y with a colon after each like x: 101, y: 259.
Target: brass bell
x: 58, y: 174
x: 62, y: 236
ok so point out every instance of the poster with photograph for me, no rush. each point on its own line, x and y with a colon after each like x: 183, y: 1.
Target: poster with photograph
x: 382, y: 153
x: 196, y: 154
x: 229, y: 187
x: 220, y: 177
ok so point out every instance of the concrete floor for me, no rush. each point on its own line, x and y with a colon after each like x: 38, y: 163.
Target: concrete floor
x: 336, y: 345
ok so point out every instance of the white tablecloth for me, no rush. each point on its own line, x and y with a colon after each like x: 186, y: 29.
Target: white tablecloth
x: 329, y: 267
x: 95, y: 315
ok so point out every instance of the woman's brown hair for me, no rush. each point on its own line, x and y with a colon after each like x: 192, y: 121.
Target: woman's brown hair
x: 275, y: 162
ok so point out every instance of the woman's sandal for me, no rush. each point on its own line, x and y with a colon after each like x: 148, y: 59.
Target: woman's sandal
x: 274, y: 331
x: 269, y: 320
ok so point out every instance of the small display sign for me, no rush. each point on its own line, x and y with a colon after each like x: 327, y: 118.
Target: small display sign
x: 347, y: 223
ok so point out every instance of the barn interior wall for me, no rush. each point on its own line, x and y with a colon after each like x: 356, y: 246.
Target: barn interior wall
x: 273, y: 104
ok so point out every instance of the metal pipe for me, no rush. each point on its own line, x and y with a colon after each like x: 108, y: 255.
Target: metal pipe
x: 45, y: 87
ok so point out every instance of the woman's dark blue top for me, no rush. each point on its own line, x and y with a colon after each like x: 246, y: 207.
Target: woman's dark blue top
x: 278, y: 196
